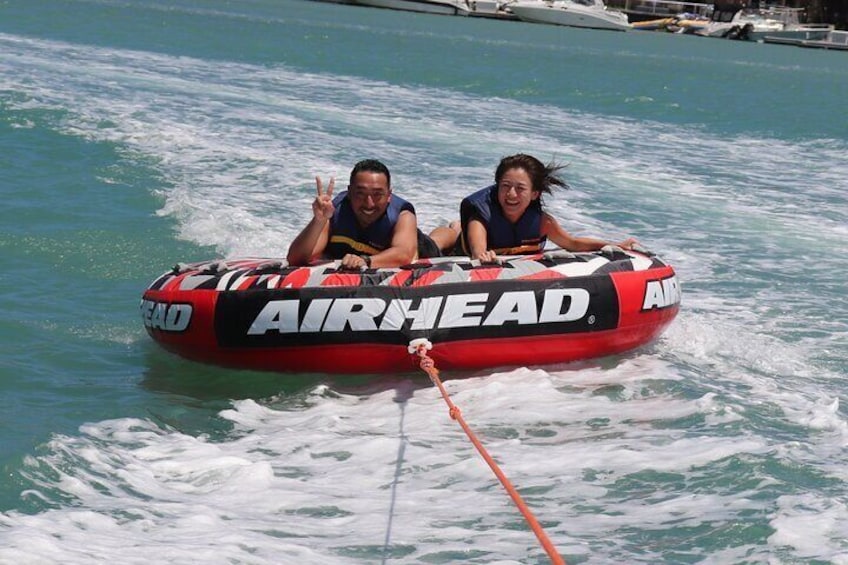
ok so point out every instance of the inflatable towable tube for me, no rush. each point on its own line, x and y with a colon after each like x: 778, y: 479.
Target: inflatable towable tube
x: 528, y: 310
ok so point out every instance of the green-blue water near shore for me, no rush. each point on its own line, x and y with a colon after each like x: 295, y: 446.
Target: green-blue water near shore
x: 136, y: 134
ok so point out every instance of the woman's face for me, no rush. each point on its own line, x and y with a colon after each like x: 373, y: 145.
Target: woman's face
x: 515, y: 193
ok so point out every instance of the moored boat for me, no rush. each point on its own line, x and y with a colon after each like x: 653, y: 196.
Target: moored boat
x: 440, y: 7
x: 836, y: 40
x: 733, y: 22
x: 653, y: 10
x: 530, y: 310
x: 574, y: 13
x: 496, y: 9
x: 659, y: 24
x: 683, y: 23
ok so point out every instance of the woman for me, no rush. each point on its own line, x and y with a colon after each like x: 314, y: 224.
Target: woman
x: 507, y: 218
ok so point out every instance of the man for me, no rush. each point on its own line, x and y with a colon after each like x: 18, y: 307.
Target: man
x: 366, y: 226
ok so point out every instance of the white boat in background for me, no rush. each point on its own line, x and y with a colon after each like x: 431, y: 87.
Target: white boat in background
x: 836, y: 40
x: 498, y: 9
x: 480, y: 8
x: 575, y: 13
x: 647, y: 10
x: 441, y: 7
x: 755, y: 24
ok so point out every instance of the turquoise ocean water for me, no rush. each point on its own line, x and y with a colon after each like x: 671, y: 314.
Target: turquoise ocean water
x: 135, y: 134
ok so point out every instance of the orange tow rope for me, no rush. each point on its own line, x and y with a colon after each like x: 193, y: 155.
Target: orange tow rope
x: 420, y: 347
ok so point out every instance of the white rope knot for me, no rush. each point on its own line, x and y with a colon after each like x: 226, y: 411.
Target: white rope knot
x: 420, y: 342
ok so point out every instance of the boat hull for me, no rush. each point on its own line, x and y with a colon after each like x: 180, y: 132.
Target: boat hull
x: 836, y: 40
x: 799, y: 33
x: 320, y: 319
x: 445, y: 8
x: 757, y: 24
x: 569, y: 14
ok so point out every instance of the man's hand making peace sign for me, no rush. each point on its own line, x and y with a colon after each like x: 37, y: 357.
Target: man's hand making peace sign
x: 322, y: 207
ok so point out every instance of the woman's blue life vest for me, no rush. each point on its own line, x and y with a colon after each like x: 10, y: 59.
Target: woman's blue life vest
x: 503, y: 237
x: 347, y: 236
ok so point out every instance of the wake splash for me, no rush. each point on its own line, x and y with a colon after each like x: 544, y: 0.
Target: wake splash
x: 329, y: 476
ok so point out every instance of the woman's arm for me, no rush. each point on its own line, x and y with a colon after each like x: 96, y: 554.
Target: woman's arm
x: 477, y: 242
x: 560, y: 237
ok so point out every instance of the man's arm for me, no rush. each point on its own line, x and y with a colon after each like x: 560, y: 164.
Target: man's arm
x: 403, y: 249
x: 312, y: 240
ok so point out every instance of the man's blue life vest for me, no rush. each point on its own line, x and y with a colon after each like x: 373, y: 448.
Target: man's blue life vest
x: 346, y: 235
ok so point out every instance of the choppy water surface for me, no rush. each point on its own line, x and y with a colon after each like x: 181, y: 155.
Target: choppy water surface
x: 138, y: 134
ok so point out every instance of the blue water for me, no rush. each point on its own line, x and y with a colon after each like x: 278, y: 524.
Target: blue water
x: 135, y: 134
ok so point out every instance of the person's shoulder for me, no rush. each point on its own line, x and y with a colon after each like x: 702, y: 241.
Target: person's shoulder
x: 479, y: 194
x: 406, y: 220
x: 551, y: 226
x: 401, y: 204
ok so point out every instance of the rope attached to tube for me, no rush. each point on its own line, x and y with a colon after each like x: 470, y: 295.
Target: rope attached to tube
x: 420, y: 347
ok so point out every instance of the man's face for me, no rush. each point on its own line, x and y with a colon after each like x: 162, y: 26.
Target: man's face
x: 369, y: 196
